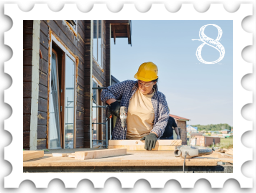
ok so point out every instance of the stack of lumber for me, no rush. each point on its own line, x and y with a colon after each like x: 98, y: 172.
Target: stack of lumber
x: 139, y: 145
x: 29, y: 155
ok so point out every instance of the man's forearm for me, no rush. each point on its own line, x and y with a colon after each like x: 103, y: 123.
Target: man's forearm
x: 177, y: 131
x: 109, y: 101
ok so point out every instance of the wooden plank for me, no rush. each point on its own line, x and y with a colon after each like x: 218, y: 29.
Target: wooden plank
x: 27, y: 73
x: 84, y: 155
x: 138, y: 142
x: 42, y: 105
x: 43, y: 91
x: 41, y: 144
x: 43, y: 65
x: 29, y: 155
x: 42, y: 118
x: 44, y: 27
x: 27, y: 89
x: 41, y: 131
x: 27, y: 57
x: 43, y: 78
x: 59, y: 155
x: 44, y: 52
x: 26, y: 122
x: 141, y: 147
x: 26, y: 138
x: 44, y: 40
x: 27, y: 105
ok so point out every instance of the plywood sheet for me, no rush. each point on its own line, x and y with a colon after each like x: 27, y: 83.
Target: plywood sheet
x: 83, y: 155
x: 28, y: 155
x: 138, y: 142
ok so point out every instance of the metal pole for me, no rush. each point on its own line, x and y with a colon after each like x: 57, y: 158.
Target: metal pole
x: 106, y: 134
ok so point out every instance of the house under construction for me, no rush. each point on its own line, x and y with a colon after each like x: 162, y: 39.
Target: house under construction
x: 65, y: 65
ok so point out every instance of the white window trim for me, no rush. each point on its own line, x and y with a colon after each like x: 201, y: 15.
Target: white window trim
x: 97, y: 118
x: 75, y: 30
x: 101, y: 59
x: 67, y: 54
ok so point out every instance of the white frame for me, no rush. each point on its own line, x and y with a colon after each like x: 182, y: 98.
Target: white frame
x: 48, y: 134
x: 93, y: 80
x: 74, y: 135
x: 75, y: 30
x: 101, y: 50
x: 67, y: 54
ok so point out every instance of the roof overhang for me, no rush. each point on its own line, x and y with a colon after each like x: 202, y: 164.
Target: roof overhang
x: 121, y: 29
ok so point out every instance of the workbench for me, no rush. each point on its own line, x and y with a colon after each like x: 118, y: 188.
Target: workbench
x: 133, y: 161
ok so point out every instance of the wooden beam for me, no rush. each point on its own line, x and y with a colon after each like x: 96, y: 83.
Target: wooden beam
x: 121, y: 35
x: 94, y: 154
x: 28, y: 155
x: 142, y: 148
x: 120, y: 23
x: 137, y: 145
x: 128, y: 34
x: 114, y: 33
x: 138, y: 142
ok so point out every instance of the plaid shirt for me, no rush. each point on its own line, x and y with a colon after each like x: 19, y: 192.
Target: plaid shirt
x: 124, y: 91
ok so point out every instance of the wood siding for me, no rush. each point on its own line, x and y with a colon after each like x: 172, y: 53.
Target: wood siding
x: 79, y: 44
x: 27, y: 79
x: 76, y: 44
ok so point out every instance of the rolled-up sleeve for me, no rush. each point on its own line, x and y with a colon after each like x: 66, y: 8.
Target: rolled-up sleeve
x: 163, y: 117
x: 114, y: 91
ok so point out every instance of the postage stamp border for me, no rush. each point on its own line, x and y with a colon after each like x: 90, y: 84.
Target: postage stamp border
x: 241, y: 97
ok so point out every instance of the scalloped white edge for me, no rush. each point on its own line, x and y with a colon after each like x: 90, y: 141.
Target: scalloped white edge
x: 13, y: 67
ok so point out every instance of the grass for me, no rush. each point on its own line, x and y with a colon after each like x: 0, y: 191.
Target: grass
x: 226, y: 142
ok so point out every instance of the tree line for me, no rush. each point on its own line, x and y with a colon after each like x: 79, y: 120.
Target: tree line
x: 213, y: 127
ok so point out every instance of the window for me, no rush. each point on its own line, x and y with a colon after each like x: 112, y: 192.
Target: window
x: 61, y: 127
x: 96, y: 117
x: 69, y: 102
x: 97, y: 42
x: 54, y: 107
x: 73, y: 24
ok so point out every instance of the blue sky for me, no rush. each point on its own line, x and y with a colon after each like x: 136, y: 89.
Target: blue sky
x: 200, y: 92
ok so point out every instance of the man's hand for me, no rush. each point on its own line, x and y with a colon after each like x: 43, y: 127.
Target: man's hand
x: 150, y: 141
x: 178, y: 137
x: 114, y: 108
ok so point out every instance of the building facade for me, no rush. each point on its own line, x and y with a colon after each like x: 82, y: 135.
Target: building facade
x: 181, y: 123
x: 65, y: 65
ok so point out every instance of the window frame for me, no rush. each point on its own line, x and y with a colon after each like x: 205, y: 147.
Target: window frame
x: 99, y: 113
x: 101, y: 43
x: 62, y: 97
x: 74, y: 29
x: 59, y: 102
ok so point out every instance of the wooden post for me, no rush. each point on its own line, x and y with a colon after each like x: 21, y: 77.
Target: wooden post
x: 35, y: 85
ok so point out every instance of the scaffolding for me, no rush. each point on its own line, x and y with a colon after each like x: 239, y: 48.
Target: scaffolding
x: 104, y: 142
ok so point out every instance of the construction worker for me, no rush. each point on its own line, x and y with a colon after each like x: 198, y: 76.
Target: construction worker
x: 148, y: 112
x: 168, y: 133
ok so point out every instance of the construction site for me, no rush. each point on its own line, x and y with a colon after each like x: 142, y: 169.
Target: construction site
x: 66, y: 126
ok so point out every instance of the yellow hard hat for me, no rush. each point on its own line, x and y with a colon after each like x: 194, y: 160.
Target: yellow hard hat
x: 147, y: 72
